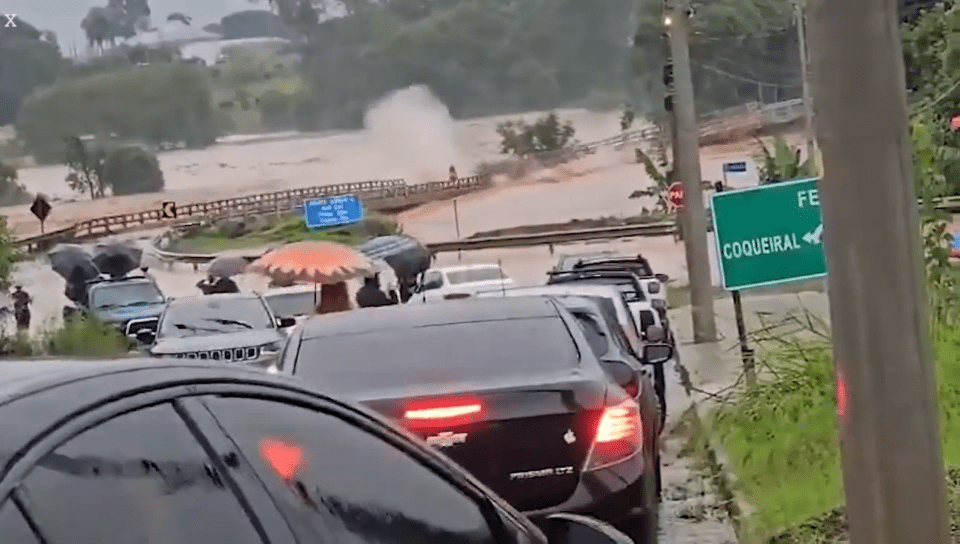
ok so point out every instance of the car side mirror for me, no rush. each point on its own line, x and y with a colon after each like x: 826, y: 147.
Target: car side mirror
x: 577, y: 529
x: 655, y: 354
x: 655, y: 334
x: 623, y: 375
x: 662, y: 277
x: 286, y: 322
x: 144, y: 336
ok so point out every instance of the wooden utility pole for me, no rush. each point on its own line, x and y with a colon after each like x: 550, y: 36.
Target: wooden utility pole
x: 687, y: 151
x: 886, y: 384
x: 805, y: 78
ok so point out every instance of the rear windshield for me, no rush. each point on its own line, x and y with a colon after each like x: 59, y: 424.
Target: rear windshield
x: 292, y: 304
x: 475, y: 274
x: 438, y: 354
x: 594, y: 333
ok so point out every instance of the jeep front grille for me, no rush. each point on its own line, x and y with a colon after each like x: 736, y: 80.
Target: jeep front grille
x: 228, y: 355
x: 136, y: 325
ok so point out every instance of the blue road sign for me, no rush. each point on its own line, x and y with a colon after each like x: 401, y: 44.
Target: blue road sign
x: 735, y: 166
x: 956, y: 240
x: 330, y: 212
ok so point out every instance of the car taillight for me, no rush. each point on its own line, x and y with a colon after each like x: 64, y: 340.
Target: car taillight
x: 619, y: 435
x: 442, y: 412
x: 632, y: 388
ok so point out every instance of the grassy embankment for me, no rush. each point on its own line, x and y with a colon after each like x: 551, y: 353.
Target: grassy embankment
x: 271, y: 232
x: 781, y: 441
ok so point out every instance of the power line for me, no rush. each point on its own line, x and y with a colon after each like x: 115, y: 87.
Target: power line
x: 716, y: 70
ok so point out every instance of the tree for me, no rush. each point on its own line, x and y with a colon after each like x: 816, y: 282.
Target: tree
x: 255, y: 24
x: 86, y: 164
x: 27, y: 63
x: 276, y: 110
x: 783, y: 163
x: 11, y: 192
x: 545, y: 134
x: 9, y: 254
x: 132, y: 170
x: 133, y: 105
x: 662, y: 177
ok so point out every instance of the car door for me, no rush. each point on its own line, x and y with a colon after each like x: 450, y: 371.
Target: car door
x: 143, y: 475
x: 340, y: 478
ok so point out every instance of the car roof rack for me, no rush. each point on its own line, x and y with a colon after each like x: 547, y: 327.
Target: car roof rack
x: 563, y: 276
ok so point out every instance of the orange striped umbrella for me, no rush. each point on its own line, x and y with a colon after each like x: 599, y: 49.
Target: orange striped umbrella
x: 314, y: 262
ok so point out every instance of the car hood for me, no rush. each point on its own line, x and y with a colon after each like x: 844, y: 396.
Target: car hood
x: 126, y: 313
x: 244, y: 339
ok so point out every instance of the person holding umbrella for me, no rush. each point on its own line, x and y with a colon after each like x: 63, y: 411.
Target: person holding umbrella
x: 371, y: 295
x: 325, y: 263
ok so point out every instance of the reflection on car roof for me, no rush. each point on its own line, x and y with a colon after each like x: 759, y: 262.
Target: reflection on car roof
x: 214, y: 298
x: 425, y: 315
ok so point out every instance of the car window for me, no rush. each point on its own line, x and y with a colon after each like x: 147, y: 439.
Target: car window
x: 292, y: 304
x: 594, y: 333
x: 114, y: 295
x: 440, y: 354
x: 475, y: 274
x: 336, y: 479
x: 13, y: 527
x: 140, y: 477
x: 212, y: 314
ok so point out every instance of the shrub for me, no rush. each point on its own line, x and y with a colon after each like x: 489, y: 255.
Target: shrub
x: 545, y: 134
x: 132, y: 170
x: 276, y: 110
x: 85, y: 336
x: 307, y: 111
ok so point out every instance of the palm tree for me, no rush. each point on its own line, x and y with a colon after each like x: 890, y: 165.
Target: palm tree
x: 783, y: 163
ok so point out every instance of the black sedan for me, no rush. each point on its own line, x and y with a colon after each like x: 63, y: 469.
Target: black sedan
x: 121, y: 452
x: 509, y: 388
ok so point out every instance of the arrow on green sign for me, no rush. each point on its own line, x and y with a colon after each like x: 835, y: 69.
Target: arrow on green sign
x: 814, y: 237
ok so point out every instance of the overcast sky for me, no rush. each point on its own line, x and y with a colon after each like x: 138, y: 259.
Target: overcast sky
x: 64, y: 16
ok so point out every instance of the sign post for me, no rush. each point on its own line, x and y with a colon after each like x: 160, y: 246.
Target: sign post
x: 41, y: 210
x: 333, y: 211
x: 766, y: 235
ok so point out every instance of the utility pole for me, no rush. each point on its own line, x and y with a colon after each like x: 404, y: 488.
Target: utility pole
x: 805, y: 77
x: 687, y: 151
x: 889, y: 415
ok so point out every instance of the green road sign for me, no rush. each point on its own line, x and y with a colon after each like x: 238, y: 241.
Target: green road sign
x: 769, y: 234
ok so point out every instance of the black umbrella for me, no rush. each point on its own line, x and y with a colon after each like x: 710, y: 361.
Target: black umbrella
x: 72, y: 261
x: 225, y: 267
x: 117, y: 259
x: 404, y: 254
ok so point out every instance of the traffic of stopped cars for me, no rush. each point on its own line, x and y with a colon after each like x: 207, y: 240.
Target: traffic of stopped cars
x: 231, y: 328
x: 636, y: 337
x: 192, y: 452
x: 509, y: 388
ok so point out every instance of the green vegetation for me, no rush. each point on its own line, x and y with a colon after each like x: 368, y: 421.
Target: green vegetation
x: 124, y: 170
x: 135, y: 105
x: 782, y: 162
x: 79, y: 336
x: 545, y: 134
x: 11, y: 192
x: 232, y: 235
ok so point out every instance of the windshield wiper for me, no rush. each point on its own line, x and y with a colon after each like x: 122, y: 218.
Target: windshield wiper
x: 229, y: 322
x: 194, y: 328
